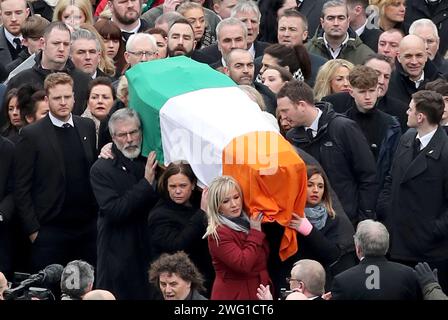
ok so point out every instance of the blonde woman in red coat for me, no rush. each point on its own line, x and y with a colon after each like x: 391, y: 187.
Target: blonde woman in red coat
x: 238, y: 247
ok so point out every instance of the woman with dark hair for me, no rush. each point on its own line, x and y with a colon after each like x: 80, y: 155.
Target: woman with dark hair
x: 11, y: 112
x: 323, y: 234
x: 111, y: 35
x: 37, y: 109
x: 101, y: 96
x: 275, y: 77
x: 177, y: 222
x: 295, y: 59
x: 31, y: 109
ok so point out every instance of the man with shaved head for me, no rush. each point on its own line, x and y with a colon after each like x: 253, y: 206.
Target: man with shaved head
x: 413, y: 69
x: 99, y: 294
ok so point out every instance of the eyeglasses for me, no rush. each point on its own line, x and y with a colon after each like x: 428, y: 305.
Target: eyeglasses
x: 288, y: 280
x: 141, y: 53
x: 132, y: 133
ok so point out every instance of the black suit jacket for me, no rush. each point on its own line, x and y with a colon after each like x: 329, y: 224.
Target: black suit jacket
x: 6, y: 160
x: 414, y: 200
x: 39, y: 187
x: 211, y: 54
x: 370, y: 38
x: 5, y: 54
x: 386, y: 280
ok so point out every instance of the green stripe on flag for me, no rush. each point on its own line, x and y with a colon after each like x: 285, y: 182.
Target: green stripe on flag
x: 152, y: 83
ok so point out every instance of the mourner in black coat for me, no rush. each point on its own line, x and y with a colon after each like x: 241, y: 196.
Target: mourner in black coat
x: 123, y: 189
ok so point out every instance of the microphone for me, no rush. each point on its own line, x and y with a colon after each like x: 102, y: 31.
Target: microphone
x: 49, y: 276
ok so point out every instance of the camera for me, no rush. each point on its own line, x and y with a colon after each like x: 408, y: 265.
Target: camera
x: 30, y: 293
x: 28, y: 286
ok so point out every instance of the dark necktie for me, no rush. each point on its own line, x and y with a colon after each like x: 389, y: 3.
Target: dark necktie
x: 18, y: 44
x: 66, y: 125
x: 417, y: 145
x: 309, y: 133
x: 125, y: 35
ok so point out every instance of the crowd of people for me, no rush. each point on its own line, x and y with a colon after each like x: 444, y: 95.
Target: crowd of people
x: 359, y: 88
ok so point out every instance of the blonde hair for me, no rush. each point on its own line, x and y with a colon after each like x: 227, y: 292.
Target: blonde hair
x: 106, y: 63
x: 218, y: 190
x: 254, y: 95
x: 84, y: 5
x: 322, y: 86
x: 122, y: 88
x: 382, y: 4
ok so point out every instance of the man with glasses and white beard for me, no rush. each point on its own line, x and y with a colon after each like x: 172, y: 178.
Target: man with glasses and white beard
x: 123, y: 187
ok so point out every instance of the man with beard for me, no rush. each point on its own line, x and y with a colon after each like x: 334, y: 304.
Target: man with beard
x: 181, y: 41
x: 126, y: 15
x: 123, y: 187
x: 240, y: 68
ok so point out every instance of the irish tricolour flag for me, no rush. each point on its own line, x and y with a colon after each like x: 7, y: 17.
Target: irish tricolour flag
x: 191, y: 112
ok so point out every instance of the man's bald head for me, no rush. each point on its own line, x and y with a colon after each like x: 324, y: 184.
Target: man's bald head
x: 312, y: 274
x: 99, y: 295
x: 412, y: 56
x: 413, y: 41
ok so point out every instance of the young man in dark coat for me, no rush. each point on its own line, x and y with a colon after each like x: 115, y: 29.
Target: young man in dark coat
x: 415, y: 195
x: 375, y: 278
x: 381, y: 130
x: 51, y: 180
x: 125, y: 195
x: 337, y: 143
x: 55, y: 58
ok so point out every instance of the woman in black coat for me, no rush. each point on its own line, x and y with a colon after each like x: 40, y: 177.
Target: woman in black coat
x: 177, y: 222
x: 323, y: 234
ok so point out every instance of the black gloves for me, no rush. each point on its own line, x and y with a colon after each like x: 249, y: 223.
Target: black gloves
x: 424, y: 274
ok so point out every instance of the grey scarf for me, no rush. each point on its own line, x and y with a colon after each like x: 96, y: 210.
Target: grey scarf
x: 317, y: 216
x: 240, y: 223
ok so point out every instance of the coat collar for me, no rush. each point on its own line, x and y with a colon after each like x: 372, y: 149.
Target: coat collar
x: 419, y: 165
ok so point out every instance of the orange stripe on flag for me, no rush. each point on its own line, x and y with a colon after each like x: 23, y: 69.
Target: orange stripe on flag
x: 272, y: 177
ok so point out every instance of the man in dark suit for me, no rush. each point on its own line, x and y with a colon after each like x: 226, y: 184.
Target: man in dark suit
x: 13, y: 13
x: 231, y: 34
x: 126, y: 15
x: 336, y: 142
x: 52, y: 190
x: 365, y: 29
x: 123, y: 187
x: 85, y: 52
x: 249, y: 14
x: 375, y: 278
x: 415, y: 195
